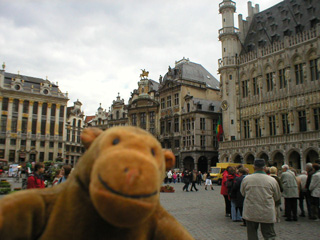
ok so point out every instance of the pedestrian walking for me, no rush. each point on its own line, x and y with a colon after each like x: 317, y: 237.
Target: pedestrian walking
x: 208, y: 182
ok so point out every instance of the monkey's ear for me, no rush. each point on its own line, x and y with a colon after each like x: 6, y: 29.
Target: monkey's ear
x: 170, y: 159
x: 88, y: 135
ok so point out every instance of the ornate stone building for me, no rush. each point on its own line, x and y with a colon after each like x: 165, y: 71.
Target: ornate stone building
x: 189, y: 108
x: 117, y: 115
x: 143, y: 106
x: 270, y: 83
x: 74, y: 126
x: 99, y: 120
x: 33, y: 116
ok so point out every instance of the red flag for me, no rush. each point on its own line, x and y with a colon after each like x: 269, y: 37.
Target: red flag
x: 219, y: 129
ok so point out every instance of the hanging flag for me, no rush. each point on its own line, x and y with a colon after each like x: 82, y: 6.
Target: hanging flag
x: 219, y: 129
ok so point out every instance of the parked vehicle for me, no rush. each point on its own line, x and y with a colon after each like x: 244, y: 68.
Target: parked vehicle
x: 216, y: 172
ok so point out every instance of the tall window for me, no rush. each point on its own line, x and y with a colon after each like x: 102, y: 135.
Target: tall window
x: 24, y: 125
x: 269, y: 77
x: 3, y: 126
x: 302, y: 121
x: 43, y: 127
x: 117, y: 115
x: 35, y: 108
x: 5, y: 104
x: 60, y: 128
x: 202, y: 141
x: 183, y: 125
x: 61, y: 111
x: 143, y: 120
x: 169, y: 101
x: 298, y: 73
x: 257, y: 127
x: 314, y: 69
x: 316, y: 114
x: 176, y: 99
x: 202, y: 124
x: 176, y: 124
x: 246, y: 129
x: 44, y: 109
x: 162, y: 127
x: 188, y: 107
x: 282, y: 79
x: 188, y: 124
x: 168, y: 126
x: 272, y: 125
x: 255, y: 86
x: 285, y: 124
x: 15, y: 106
x: 25, y: 108
x: 245, y: 88
x: 53, y: 110
x: 151, y: 117
x: 134, y: 119
x: 163, y: 103
x: 14, y: 124
x: 34, y: 126
x: 52, y: 123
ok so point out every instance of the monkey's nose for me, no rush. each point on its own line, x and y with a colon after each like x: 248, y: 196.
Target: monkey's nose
x: 131, y: 175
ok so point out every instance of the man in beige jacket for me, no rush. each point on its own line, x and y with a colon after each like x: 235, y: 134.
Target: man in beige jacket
x: 260, y: 192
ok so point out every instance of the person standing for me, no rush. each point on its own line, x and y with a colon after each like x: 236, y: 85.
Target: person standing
x: 290, y: 193
x: 274, y: 174
x: 236, y: 196
x: 208, y: 182
x: 310, y: 173
x: 260, y: 193
x: 303, y: 192
x: 224, y: 191
x: 65, y: 171
x: 36, y: 179
x: 315, y: 192
x: 169, y: 175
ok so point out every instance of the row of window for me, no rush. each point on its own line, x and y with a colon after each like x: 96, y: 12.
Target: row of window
x: 24, y: 125
x: 25, y: 107
x: 299, y: 78
x: 23, y: 143
x: 32, y: 157
x: 166, y: 102
x: 285, y: 124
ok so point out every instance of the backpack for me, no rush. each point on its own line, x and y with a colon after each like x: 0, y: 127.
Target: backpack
x: 229, y: 185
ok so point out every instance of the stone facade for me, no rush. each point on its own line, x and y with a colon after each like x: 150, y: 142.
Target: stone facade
x: 75, y: 124
x: 33, y: 116
x: 270, y: 90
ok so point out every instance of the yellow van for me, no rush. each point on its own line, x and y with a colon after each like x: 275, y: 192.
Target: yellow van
x: 216, y: 172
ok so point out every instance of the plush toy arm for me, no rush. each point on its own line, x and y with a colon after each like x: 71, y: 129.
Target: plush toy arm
x: 169, y: 228
x: 22, y: 216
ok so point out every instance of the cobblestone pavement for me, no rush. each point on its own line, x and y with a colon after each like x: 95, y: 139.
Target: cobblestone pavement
x: 203, y: 214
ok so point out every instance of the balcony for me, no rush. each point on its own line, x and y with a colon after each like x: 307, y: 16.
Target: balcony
x: 229, y: 4
x: 228, y: 31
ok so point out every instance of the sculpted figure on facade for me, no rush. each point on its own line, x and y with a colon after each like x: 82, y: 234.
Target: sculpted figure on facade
x: 287, y: 74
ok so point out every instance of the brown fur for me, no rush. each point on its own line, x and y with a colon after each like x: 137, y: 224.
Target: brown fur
x: 112, y: 194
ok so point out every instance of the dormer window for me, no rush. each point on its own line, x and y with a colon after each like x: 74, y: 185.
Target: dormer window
x: 199, y: 106
x: 17, y: 87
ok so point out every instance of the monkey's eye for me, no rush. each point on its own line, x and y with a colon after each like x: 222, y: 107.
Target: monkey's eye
x: 115, y: 141
x: 153, y: 152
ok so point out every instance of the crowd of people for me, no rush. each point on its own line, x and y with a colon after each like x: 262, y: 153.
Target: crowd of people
x: 36, y: 178
x: 257, y: 199
x: 189, y: 177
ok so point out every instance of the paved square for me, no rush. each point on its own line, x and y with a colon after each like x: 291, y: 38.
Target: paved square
x: 203, y: 214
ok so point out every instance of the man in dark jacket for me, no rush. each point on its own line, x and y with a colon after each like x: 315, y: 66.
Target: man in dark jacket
x: 186, y: 180
x: 36, y: 179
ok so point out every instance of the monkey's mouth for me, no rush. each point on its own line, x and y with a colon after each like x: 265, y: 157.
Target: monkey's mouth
x: 134, y: 196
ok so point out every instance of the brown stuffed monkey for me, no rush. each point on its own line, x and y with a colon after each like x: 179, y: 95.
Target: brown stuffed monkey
x: 113, y: 193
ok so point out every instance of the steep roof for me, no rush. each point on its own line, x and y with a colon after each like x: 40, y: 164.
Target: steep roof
x: 286, y: 18
x: 193, y: 72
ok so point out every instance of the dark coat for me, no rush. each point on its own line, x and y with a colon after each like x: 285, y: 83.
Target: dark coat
x: 236, y: 191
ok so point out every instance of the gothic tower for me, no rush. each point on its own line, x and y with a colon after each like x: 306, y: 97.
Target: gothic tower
x: 230, y: 45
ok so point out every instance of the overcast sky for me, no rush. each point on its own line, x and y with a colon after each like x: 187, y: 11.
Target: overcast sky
x: 95, y: 49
